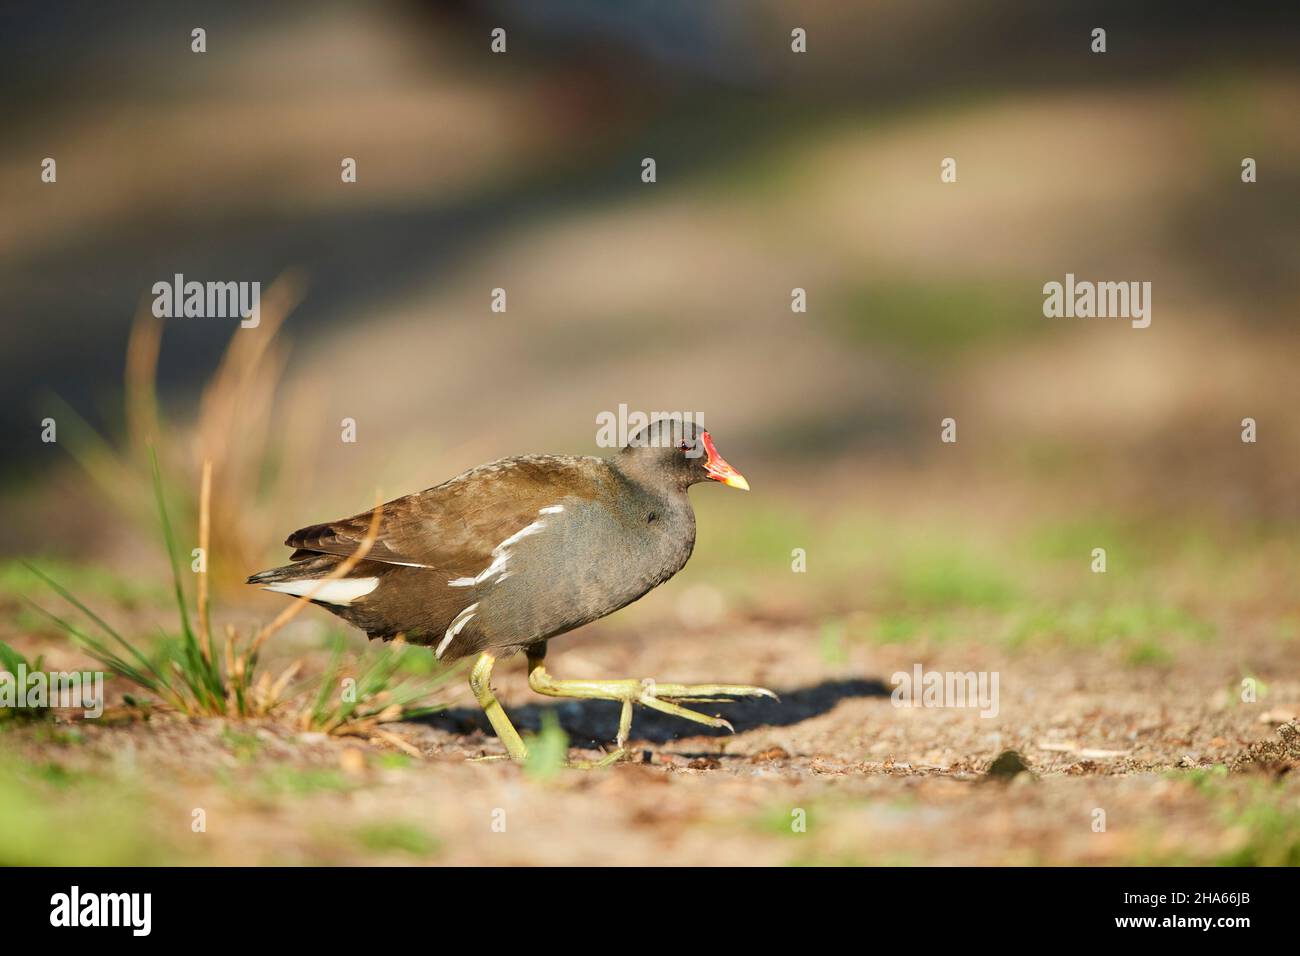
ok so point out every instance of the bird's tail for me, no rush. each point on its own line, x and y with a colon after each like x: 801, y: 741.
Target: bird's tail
x: 309, y: 568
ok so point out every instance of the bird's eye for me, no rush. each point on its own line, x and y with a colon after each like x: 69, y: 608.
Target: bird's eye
x: 684, y: 447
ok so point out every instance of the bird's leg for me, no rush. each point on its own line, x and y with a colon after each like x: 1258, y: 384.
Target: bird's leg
x: 480, y: 682
x: 648, y: 693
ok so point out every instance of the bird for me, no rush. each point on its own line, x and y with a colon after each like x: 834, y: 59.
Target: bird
x: 508, y: 555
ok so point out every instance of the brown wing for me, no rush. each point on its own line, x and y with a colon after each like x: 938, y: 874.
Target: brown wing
x: 454, y: 527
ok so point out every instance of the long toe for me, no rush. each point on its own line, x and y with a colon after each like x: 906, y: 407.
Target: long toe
x: 709, y: 692
x: 668, y: 707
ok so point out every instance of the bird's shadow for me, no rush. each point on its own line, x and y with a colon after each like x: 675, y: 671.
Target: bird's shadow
x: 595, y: 722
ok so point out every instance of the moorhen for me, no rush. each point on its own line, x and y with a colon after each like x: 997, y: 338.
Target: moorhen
x: 512, y: 553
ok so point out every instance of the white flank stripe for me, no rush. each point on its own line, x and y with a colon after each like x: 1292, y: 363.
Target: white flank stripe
x: 552, y: 510
x: 500, y: 555
x: 342, y: 592
x: 457, y: 623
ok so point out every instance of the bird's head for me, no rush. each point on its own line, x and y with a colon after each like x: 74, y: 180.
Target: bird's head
x: 679, y: 452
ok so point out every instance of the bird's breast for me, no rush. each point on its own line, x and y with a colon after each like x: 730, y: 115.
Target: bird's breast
x: 585, y: 562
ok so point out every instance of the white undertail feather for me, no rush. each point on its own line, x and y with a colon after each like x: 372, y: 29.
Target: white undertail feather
x: 341, y: 592
x: 457, y: 623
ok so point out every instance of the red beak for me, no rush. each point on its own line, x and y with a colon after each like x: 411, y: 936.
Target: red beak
x: 718, y: 469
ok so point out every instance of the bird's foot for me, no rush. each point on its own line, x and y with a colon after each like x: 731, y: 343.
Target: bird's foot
x: 489, y: 758
x: 668, y: 698
x: 611, y: 758
x: 665, y: 698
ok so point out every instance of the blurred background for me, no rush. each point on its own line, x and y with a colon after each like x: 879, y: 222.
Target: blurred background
x: 775, y: 171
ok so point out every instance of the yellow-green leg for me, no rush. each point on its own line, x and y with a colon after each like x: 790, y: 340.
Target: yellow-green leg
x: 647, y: 692
x: 480, y: 682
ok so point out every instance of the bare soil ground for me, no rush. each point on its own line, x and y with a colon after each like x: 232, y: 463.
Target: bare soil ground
x: 1126, y: 764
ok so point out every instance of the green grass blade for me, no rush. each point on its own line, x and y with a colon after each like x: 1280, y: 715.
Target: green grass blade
x: 201, y: 674
x: 104, y: 654
x: 12, y: 660
x: 320, y: 713
x: 103, y: 625
x: 170, y: 542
